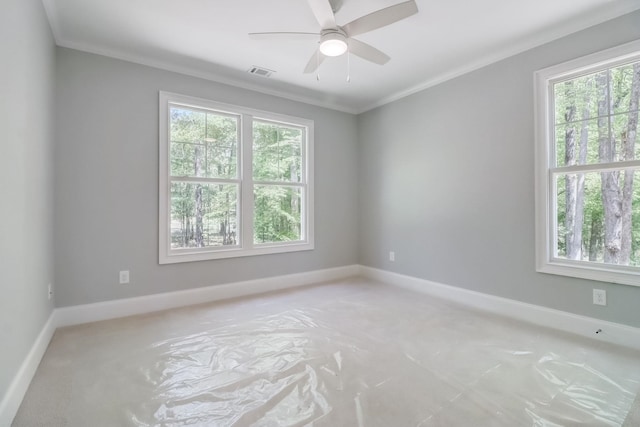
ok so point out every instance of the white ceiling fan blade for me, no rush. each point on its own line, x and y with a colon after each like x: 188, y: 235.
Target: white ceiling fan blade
x: 381, y: 18
x: 323, y: 13
x: 368, y: 52
x: 316, y: 59
x: 292, y: 35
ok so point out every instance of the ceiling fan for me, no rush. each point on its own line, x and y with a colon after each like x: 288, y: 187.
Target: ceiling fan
x: 335, y: 39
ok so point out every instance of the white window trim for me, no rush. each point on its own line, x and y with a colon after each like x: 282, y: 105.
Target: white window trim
x: 245, y: 175
x: 545, y: 210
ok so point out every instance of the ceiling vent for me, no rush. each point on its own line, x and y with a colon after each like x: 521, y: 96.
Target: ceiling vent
x: 259, y: 71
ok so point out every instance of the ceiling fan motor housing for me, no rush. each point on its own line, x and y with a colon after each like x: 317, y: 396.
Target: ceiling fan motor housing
x: 333, y: 42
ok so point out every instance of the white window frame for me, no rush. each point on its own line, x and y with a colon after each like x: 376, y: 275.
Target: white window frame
x: 246, y: 246
x: 545, y: 169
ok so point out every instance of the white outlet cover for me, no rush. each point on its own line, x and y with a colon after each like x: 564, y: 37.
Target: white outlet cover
x: 392, y: 256
x: 124, y: 277
x: 599, y: 297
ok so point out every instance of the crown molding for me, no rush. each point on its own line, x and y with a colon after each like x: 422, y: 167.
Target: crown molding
x: 556, y: 32
x: 541, y: 38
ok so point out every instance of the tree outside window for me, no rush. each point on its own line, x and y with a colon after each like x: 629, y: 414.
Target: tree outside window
x: 589, y: 168
x: 233, y: 181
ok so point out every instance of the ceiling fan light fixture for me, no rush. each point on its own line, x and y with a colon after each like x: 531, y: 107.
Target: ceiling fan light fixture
x: 333, y: 44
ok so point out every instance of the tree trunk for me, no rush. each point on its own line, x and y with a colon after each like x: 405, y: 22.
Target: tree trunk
x: 582, y: 159
x: 183, y: 224
x: 595, y: 237
x: 226, y: 232
x: 199, y: 236
x: 573, y: 245
x: 228, y: 237
x: 611, y: 200
x: 628, y: 144
x: 187, y: 232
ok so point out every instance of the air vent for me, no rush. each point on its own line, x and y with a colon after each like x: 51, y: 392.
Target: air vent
x: 259, y: 71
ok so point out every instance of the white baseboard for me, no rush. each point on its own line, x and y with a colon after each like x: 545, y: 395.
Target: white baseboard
x: 66, y: 316
x: 18, y: 387
x: 614, y: 333
x: 74, y: 315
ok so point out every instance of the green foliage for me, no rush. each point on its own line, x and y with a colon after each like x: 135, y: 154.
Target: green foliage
x: 593, y: 215
x: 277, y: 152
x: 203, y: 145
x: 205, y: 210
x: 218, y: 215
x: 277, y: 214
x: 277, y: 157
x: 581, y: 114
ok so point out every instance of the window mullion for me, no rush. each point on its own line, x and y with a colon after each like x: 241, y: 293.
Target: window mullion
x: 597, y: 167
x: 246, y: 205
x: 304, y: 214
x: 550, y: 108
x: 280, y: 183
x: 164, y: 247
x: 202, y: 180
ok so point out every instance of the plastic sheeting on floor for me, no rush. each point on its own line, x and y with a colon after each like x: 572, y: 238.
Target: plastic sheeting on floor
x: 347, y: 354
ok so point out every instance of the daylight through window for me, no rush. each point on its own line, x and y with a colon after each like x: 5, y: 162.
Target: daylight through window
x: 588, y: 171
x: 233, y: 181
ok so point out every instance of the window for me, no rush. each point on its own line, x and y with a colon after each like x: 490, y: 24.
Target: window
x: 588, y: 167
x: 233, y: 181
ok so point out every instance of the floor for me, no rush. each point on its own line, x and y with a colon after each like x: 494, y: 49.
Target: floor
x: 349, y: 353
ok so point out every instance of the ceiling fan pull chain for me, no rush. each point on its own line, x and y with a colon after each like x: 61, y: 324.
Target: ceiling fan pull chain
x: 348, y: 65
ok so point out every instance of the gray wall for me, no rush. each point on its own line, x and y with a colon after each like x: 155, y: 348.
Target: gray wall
x: 26, y: 179
x: 106, y: 164
x: 447, y: 182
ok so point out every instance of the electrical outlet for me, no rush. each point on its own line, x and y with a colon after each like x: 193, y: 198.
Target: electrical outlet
x: 124, y: 277
x: 599, y: 297
x: 50, y: 290
x: 392, y: 256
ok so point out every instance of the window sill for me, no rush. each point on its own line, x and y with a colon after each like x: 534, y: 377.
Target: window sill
x: 187, y: 256
x: 600, y: 272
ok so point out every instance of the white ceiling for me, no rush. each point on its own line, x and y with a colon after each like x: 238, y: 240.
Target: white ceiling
x: 208, y: 38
